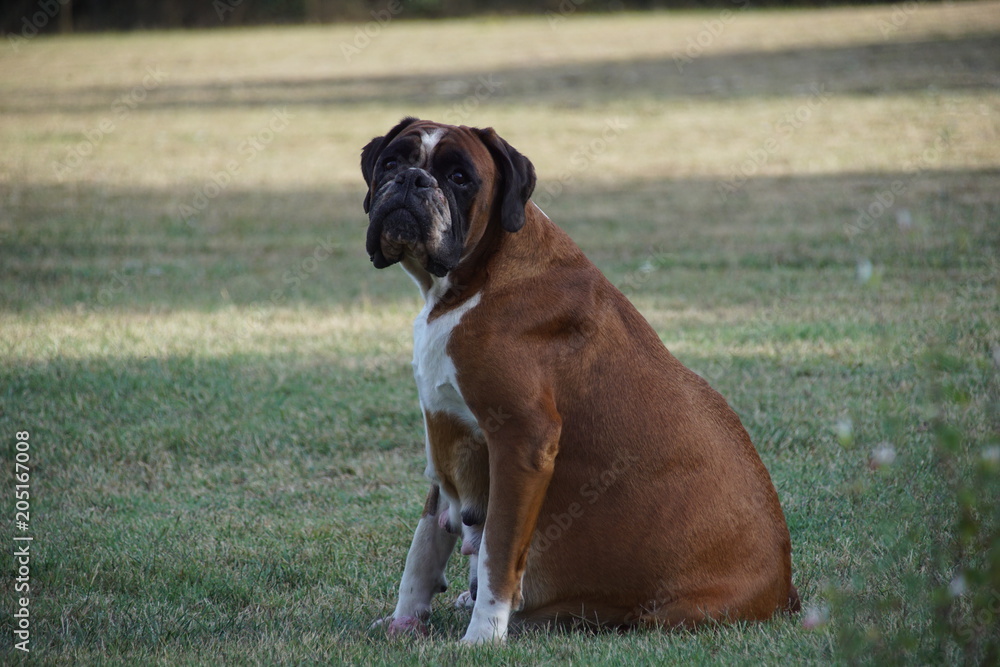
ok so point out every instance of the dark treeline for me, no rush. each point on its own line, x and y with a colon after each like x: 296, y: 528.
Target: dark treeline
x: 30, y: 17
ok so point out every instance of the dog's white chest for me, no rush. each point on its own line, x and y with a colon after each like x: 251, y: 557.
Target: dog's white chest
x: 433, y: 369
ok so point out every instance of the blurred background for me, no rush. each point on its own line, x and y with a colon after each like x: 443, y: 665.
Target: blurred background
x: 128, y: 15
x: 226, y: 444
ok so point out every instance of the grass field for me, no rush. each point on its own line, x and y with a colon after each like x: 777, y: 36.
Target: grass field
x: 225, y: 444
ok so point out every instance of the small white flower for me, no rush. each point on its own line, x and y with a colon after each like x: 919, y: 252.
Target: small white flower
x: 844, y: 428
x: 883, y: 455
x: 958, y: 586
x: 815, y: 616
x: 904, y: 220
x: 865, y: 270
x: 991, y: 455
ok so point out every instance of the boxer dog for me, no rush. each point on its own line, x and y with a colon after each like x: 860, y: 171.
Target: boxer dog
x: 594, y: 479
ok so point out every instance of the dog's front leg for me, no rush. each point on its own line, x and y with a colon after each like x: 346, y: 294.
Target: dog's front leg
x: 522, y: 457
x: 423, y: 575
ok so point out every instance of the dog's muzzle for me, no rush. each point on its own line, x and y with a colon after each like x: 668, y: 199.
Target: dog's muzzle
x: 402, y: 217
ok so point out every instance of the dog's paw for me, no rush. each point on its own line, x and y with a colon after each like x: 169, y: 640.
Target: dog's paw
x: 478, y: 639
x: 405, y: 625
x: 465, y: 601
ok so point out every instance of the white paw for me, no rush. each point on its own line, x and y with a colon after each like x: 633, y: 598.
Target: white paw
x: 465, y: 601
x: 473, y: 639
x: 487, y: 628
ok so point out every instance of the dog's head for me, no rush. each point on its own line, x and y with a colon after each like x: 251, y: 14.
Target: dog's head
x: 433, y: 190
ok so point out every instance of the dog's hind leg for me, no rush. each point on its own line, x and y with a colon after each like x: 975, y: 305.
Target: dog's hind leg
x: 423, y: 575
x: 471, y: 538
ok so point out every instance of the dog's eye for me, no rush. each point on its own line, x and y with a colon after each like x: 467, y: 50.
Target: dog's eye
x: 459, y: 177
x: 390, y: 164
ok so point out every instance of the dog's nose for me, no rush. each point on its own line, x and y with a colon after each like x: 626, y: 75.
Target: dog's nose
x: 416, y: 178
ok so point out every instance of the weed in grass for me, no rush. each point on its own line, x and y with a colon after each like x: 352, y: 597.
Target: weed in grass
x: 926, y: 588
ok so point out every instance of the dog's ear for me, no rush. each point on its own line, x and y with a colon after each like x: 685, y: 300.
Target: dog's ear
x: 370, y: 153
x: 517, y: 179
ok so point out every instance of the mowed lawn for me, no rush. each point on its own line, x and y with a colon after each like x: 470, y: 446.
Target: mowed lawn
x: 225, y: 446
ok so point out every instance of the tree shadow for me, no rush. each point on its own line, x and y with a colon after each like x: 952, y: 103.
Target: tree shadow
x: 956, y: 64
x: 70, y: 246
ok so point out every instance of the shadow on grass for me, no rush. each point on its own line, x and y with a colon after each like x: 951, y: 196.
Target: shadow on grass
x: 967, y: 63
x: 73, y: 247
x: 237, y: 409
x: 188, y: 498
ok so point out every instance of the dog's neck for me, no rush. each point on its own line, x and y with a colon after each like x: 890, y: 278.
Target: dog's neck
x: 536, y: 244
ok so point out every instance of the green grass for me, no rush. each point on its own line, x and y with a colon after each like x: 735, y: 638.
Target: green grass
x: 225, y: 438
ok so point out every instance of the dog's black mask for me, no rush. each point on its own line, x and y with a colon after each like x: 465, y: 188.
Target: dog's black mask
x: 421, y: 191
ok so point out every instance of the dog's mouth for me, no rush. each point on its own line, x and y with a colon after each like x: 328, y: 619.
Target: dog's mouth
x: 396, y: 235
x: 400, y: 234
x: 409, y: 220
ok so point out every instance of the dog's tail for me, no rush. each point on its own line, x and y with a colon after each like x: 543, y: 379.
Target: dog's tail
x: 794, y: 602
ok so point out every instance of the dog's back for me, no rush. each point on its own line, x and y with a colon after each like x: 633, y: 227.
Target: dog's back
x: 659, y: 508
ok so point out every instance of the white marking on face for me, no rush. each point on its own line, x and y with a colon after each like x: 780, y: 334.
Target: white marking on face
x: 428, y: 140
x: 436, y: 204
x: 490, y: 615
